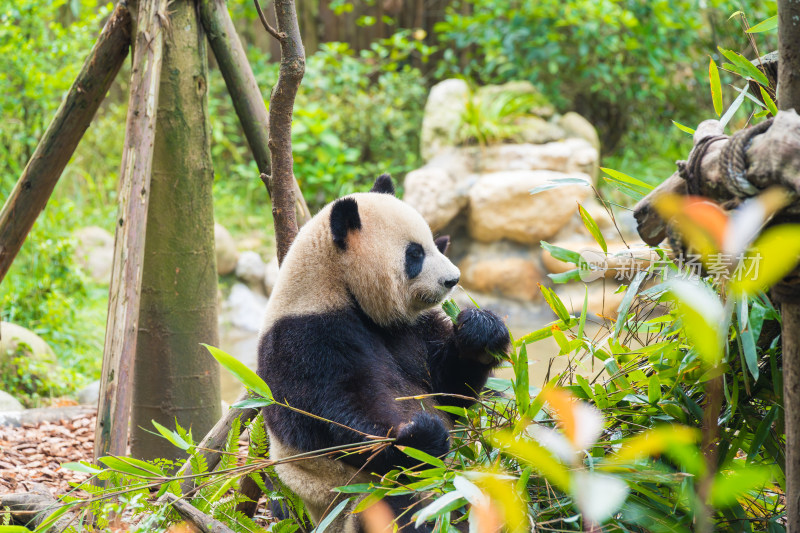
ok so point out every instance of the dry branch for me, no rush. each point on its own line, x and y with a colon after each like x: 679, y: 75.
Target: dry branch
x: 280, y: 182
x: 111, y: 434
x: 244, y: 91
x: 31, y: 192
x: 198, y: 519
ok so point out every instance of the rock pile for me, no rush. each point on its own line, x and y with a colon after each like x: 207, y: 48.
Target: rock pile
x: 481, y: 196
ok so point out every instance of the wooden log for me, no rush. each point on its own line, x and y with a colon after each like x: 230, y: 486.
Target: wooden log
x: 30, y: 509
x: 33, y: 190
x: 281, y: 106
x: 111, y: 432
x: 245, y: 94
x: 194, y: 516
x: 789, y: 98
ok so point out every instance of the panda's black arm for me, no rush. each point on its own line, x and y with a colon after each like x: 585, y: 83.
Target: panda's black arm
x: 461, y: 356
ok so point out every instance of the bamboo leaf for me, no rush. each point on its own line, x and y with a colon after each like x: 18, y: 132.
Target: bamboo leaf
x: 768, y: 101
x: 727, y: 487
x: 419, y: 455
x: 129, y: 465
x: 744, y: 66
x: 681, y: 127
x: 249, y: 378
x: 171, y: 436
x: 716, y: 86
x: 555, y: 303
x: 591, y: 225
x: 521, y: 380
x: 765, y: 25
x: 773, y: 255
x: 330, y: 517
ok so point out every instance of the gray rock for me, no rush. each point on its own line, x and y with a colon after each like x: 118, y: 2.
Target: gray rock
x: 250, y: 268
x: 501, y: 206
x: 436, y: 194
x: 577, y: 126
x: 227, y: 254
x: 14, y: 338
x: 503, y: 268
x: 94, y: 252
x: 536, y: 130
x: 90, y: 393
x: 442, y: 119
x: 9, y: 403
x: 244, y: 308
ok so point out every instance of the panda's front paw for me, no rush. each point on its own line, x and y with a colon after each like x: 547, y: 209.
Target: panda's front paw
x: 425, y: 432
x: 482, y: 335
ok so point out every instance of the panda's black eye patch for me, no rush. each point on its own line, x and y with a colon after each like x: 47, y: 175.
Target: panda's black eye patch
x: 415, y: 255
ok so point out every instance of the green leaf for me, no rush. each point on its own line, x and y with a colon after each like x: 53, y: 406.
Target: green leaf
x: 627, y: 300
x: 555, y: 303
x: 83, y: 468
x: 252, y: 403
x: 630, y: 186
x: 14, y: 529
x: 545, y: 332
x: 591, y: 225
x: 249, y: 378
x: 521, y: 381
x: 727, y: 487
x: 761, y: 433
x: 370, y: 499
x: 534, y: 454
x: 773, y: 255
x: 716, y: 87
x: 654, y: 389
x: 681, y: 127
x: 734, y: 107
x: 748, y: 341
x: 129, y: 465
x: 48, y: 522
x: 703, y: 317
x: 768, y: 101
x: 744, y: 66
x: 559, y: 182
x: 355, y: 488
x: 421, y: 456
x: 439, y: 506
x: 562, y: 254
x: 171, y: 436
x: 566, y: 277
x: 330, y: 517
x: 765, y: 25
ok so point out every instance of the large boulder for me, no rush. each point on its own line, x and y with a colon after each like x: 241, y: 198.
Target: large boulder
x: 570, y: 155
x: 442, y: 119
x: 438, y: 194
x: 9, y: 403
x: 14, y: 338
x: 244, y: 308
x: 250, y: 268
x: 94, y: 252
x: 502, y: 207
x: 535, y: 130
x: 503, y: 269
x: 227, y: 254
x: 577, y: 126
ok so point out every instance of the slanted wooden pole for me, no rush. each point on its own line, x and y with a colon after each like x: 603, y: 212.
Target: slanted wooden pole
x: 33, y: 190
x: 789, y: 98
x: 244, y: 91
x: 111, y: 433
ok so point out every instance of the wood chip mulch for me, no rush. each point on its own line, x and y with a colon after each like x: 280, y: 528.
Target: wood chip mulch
x: 35, y: 453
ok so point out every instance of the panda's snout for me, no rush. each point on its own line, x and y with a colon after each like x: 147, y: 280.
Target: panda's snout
x: 450, y: 283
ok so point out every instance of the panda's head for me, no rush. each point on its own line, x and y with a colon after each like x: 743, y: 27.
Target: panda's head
x: 387, y: 257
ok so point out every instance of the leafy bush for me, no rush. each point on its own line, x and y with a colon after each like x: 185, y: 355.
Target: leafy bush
x: 621, y: 64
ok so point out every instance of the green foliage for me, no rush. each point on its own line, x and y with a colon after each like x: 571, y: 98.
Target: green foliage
x: 619, y: 63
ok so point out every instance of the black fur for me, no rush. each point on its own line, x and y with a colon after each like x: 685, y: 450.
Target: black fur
x: 383, y: 184
x: 343, y: 367
x: 344, y: 218
x: 415, y: 256
x: 442, y: 243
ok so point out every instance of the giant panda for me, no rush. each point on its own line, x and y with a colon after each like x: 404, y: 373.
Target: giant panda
x: 353, y: 323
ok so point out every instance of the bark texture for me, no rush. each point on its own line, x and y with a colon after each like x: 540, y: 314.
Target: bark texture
x: 281, y: 182
x: 31, y: 192
x: 113, y: 413
x: 789, y: 98
x: 245, y: 94
x: 175, y: 378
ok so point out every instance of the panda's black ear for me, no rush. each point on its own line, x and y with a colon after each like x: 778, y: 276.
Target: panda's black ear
x: 383, y: 185
x: 344, y: 218
x: 443, y: 243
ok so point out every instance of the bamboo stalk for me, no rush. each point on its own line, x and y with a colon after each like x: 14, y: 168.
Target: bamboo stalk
x: 243, y: 88
x: 111, y: 432
x: 33, y: 190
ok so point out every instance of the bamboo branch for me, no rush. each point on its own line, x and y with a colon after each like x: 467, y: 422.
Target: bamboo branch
x: 244, y: 91
x: 33, y: 190
x: 281, y: 106
x: 111, y: 432
x: 197, y: 518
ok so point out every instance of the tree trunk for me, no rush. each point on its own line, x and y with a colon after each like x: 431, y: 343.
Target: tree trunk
x: 175, y: 378
x: 788, y: 98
